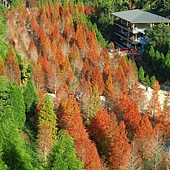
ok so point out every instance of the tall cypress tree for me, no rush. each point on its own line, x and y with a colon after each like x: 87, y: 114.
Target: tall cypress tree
x: 15, y: 155
x: 17, y: 104
x: 63, y: 155
x: 30, y: 98
x: 47, y: 129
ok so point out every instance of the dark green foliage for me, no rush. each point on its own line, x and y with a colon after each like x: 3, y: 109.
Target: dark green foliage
x: 17, y: 105
x: 30, y: 97
x: 159, y: 36
x: 161, y: 7
x: 63, y: 155
x: 103, y: 19
x: 14, y: 153
x: 157, y: 53
x: 3, y: 166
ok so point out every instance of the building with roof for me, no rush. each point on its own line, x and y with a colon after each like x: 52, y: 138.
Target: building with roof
x: 130, y: 28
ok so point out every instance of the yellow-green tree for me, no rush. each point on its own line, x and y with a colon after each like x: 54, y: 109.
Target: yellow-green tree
x: 46, y: 127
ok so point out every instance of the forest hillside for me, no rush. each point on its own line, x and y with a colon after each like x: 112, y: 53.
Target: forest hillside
x: 65, y: 103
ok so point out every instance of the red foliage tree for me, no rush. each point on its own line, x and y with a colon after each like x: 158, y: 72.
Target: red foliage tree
x: 120, y: 81
x: 38, y: 76
x: 69, y: 118
x: 86, y: 71
x: 154, y: 107
x: 120, y: 151
x: 33, y: 50
x: 109, y: 87
x: 104, y: 129
x: 132, y: 117
x: 97, y: 79
x: 93, y: 55
x: 13, y: 72
x: 144, y: 138
x: 81, y: 40
x: 75, y: 59
x: 45, y: 43
x: 55, y: 35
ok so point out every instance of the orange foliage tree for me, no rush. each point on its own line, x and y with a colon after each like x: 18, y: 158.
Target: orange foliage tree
x: 104, y: 129
x: 70, y: 119
x: 33, y: 50
x: 97, y: 79
x: 38, y: 76
x: 120, y: 151
x: 13, y: 72
x: 132, y: 117
x: 144, y: 138
x: 93, y: 55
x: 81, y: 40
x: 154, y: 107
x: 75, y: 59
x: 120, y: 81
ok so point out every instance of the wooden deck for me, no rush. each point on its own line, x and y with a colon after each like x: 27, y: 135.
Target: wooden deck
x: 129, y: 53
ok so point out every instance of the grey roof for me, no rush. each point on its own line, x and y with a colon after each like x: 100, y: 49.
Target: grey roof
x: 139, y: 16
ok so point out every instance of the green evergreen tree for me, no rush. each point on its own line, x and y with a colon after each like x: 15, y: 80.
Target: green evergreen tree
x: 63, y: 155
x: 2, y: 21
x: 157, y: 61
x: 30, y: 98
x: 151, y: 55
x: 16, y: 3
x: 166, y: 65
x: 14, y: 152
x: 141, y: 74
x: 17, y: 105
x: 152, y: 81
x: 147, y: 81
x: 3, y: 48
x: 3, y: 166
x: 47, y: 127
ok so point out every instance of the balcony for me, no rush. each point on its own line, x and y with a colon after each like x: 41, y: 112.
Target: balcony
x: 130, y: 39
x: 131, y: 28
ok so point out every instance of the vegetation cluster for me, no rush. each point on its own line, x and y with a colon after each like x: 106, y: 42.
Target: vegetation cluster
x: 65, y: 103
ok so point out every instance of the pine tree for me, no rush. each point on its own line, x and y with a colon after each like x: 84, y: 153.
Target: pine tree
x: 141, y: 74
x: 15, y: 155
x: 30, y: 98
x: 17, y: 104
x: 46, y: 127
x: 63, y: 154
x: 2, y: 164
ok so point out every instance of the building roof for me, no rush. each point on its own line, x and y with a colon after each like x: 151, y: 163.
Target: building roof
x: 139, y: 16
